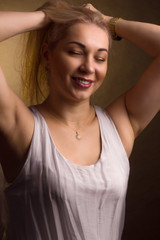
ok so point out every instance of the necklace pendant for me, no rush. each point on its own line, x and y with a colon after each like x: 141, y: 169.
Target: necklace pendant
x: 78, y: 137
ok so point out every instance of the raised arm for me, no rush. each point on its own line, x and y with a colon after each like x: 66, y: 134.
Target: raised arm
x: 132, y: 111
x: 144, y: 35
x: 16, y: 121
x: 143, y: 100
x: 13, y: 23
x: 140, y: 103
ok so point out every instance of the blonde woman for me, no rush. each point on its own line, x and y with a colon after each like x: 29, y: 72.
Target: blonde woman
x: 65, y: 160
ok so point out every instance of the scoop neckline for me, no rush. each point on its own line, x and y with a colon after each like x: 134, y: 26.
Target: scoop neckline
x: 91, y: 166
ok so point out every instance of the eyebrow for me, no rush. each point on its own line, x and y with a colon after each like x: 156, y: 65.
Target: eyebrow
x: 83, y: 46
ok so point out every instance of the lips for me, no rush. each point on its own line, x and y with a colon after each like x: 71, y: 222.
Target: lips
x: 82, y: 82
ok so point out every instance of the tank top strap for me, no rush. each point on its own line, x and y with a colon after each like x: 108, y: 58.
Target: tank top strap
x: 111, y: 141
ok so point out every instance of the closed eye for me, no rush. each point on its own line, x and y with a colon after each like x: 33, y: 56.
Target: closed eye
x: 75, y: 52
x: 100, y: 59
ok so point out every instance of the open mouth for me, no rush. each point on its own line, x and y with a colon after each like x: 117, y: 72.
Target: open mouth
x: 82, y: 82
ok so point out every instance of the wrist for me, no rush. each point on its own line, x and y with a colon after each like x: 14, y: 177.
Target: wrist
x: 107, y: 18
x: 42, y: 18
x: 112, y: 27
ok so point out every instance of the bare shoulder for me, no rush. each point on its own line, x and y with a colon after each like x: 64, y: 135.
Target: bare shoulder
x: 118, y: 112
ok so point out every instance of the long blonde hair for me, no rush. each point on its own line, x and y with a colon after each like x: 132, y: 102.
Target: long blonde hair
x: 62, y: 15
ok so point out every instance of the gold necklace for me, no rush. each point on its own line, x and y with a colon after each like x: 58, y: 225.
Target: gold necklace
x: 77, y: 134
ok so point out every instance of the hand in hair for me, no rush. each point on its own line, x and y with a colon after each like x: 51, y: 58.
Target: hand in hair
x: 92, y: 8
x: 45, y: 7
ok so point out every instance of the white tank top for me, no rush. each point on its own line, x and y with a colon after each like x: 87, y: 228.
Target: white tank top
x: 55, y: 199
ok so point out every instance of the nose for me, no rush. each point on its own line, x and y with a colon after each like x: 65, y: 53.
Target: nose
x: 87, y: 66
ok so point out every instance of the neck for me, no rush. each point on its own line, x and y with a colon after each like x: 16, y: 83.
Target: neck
x: 72, y: 113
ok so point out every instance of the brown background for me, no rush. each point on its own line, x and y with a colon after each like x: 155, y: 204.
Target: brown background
x: 126, y: 64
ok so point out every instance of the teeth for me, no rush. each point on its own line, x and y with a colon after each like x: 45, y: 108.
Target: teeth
x: 82, y: 81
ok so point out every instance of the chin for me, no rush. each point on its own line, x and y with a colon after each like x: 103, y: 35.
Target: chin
x: 82, y: 97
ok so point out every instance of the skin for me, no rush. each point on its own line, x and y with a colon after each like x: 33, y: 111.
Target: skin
x: 79, y: 55
x: 67, y: 100
x: 68, y: 106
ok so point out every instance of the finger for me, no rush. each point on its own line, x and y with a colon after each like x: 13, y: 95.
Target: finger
x: 89, y: 6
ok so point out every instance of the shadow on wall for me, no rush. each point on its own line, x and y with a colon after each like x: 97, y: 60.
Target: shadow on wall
x: 143, y: 198
x: 2, y: 214
x: 127, y: 64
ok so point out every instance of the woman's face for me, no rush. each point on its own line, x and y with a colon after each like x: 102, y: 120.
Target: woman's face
x: 78, y: 64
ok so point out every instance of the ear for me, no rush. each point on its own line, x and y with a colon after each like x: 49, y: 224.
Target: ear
x: 45, y: 55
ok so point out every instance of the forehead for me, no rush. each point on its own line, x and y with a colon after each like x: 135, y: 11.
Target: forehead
x: 88, y: 34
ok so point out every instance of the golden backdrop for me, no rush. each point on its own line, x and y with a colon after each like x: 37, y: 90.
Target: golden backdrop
x: 126, y: 64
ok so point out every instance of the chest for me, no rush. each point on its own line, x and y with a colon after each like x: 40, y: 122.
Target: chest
x: 84, y: 151
x: 96, y: 185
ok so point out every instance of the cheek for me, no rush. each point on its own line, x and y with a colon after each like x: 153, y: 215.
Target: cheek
x: 102, y: 72
x: 66, y: 66
x: 57, y: 68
